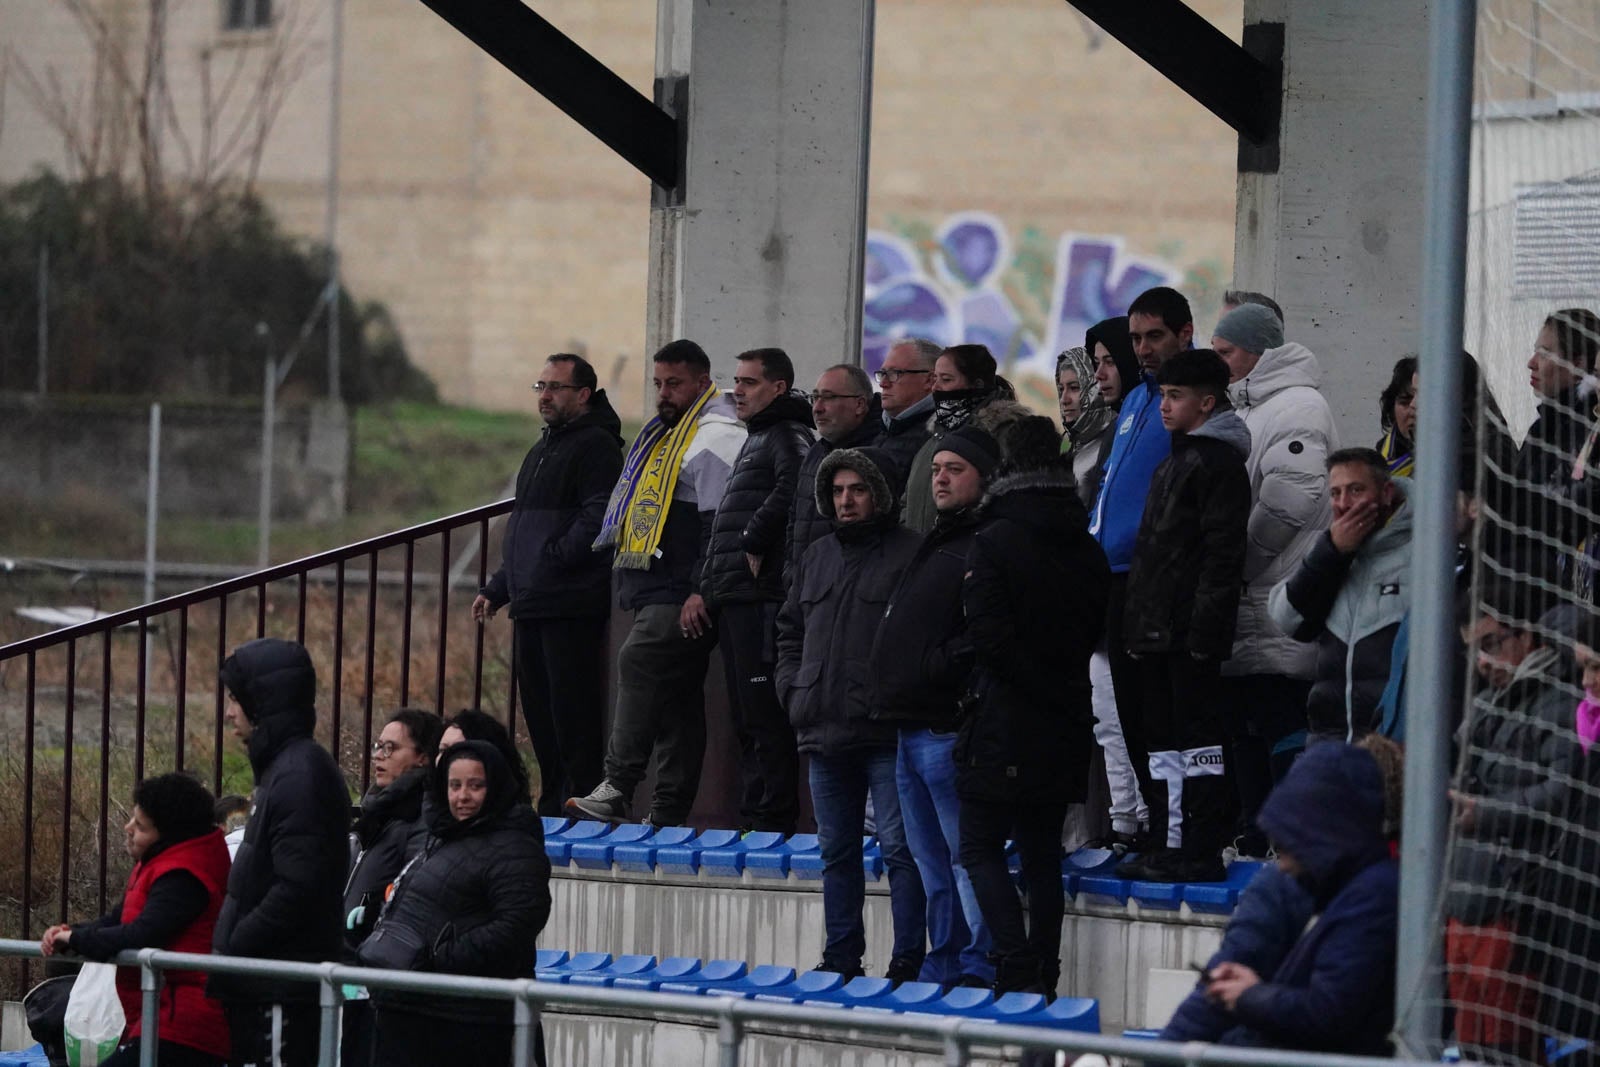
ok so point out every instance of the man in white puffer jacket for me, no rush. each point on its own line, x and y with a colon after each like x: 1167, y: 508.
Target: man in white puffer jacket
x: 1275, y: 391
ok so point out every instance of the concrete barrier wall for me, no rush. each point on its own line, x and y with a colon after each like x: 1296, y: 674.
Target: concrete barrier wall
x: 1106, y: 951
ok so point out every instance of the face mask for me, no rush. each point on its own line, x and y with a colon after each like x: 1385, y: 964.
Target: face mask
x: 1588, y: 722
x: 952, y: 410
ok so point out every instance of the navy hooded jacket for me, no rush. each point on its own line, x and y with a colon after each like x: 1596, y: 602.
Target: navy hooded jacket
x: 1334, y: 992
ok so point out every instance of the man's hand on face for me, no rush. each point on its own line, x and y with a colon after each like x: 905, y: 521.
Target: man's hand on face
x: 1352, y: 528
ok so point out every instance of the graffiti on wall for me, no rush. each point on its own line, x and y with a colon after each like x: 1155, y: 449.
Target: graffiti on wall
x: 965, y: 281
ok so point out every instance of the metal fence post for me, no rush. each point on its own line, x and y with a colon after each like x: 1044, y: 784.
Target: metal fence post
x: 332, y: 1000
x: 526, y: 1014
x: 730, y: 1034
x: 149, y: 1009
x: 1418, y: 979
x: 955, y: 1046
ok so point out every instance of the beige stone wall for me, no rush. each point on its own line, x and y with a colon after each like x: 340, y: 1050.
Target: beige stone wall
x: 498, y: 230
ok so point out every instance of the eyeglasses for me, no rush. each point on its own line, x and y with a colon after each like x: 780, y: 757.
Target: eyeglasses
x: 386, y: 748
x: 552, y: 387
x: 828, y: 398
x: 890, y: 375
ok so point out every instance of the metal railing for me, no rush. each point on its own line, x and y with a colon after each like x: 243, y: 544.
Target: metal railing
x: 307, y: 600
x: 957, y: 1038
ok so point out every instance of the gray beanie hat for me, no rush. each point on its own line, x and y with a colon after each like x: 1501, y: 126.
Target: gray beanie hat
x: 1252, y: 327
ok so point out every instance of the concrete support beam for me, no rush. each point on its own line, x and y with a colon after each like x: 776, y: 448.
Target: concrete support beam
x: 1336, y: 234
x: 764, y: 244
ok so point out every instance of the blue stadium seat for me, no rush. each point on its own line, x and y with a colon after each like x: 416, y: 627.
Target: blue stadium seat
x: 617, y: 968
x: 728, y: 861
x: 639, y: 857
x: 559, y: 846
x: 1071, y: 1013
x: 913, y: 996
x: 596, y: 855
x: 554, y: 825
x: 711, y: 976
x: 547, y: 958
x: 563, y: 971
x: 775, y: 862
x: 671, y: 969
x: 863, y: 992
x: 684, y: 974
x: 805, y: 986
x: 685, y: 858
x: 1219, y: 898
x: 767, y: 978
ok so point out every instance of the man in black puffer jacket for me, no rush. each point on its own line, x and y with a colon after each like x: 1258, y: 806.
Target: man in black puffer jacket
x: 825, y: 670
x: 848, y: 415
x: 283, y: 900
x: 743, y: 580
x: 924, y: 660
x: 1035, y: 595
x: 558, y: 587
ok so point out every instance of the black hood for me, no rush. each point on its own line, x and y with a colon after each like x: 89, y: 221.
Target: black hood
x: 1045, y: 501
x: 600, y: 415
x: 786, y: 407
x: 275, y: 686
x: 875, y: 466
x: 1113, y: 333
x: 502, y: 795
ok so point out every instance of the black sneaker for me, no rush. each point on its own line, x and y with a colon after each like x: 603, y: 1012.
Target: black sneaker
x: 1148, y: 866
x: 847, y: 973
x: 1174, y: 866
x: 1117, y: 844
x: 902, y: 970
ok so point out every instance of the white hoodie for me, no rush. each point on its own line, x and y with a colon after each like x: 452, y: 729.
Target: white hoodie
x: 1291, y: 436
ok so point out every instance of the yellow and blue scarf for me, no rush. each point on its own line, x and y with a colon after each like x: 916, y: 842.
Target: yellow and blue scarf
x: 636, y: 515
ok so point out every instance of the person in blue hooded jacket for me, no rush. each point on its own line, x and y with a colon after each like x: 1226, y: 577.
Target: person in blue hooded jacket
x: 1334, y: 991
x: 1160, y: 325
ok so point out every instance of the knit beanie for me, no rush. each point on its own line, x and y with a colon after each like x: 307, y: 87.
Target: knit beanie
x: 973, y: 445
x: 1252, y: 327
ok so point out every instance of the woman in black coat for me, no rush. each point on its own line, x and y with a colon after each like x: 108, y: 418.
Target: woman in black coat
x: 472, y: 902
x: 390, y: 830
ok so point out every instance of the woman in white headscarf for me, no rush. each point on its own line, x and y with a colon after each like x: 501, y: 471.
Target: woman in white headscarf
x: 1087, y: 419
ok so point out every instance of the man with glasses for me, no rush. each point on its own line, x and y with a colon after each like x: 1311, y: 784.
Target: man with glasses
x: 557, y: 586
x: 658, y: 523
x: 846, y: 412
x: 906, y: 379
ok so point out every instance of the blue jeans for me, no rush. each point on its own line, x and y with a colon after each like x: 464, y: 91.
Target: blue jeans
x: 958, y: 942
x: 839, y: 787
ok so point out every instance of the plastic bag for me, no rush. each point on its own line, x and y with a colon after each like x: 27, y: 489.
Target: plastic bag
x: 94, y: 1021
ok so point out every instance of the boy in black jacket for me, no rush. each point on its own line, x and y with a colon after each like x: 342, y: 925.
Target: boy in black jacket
x: 1183, y: 597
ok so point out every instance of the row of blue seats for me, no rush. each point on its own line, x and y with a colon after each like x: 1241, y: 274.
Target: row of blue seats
x: 681, y: 850
x: 682, y: 974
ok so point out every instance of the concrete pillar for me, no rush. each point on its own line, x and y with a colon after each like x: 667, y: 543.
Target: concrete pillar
x: 763, y: 243
x: 1336, y: 234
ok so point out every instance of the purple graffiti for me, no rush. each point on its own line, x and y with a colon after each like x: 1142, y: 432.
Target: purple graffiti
x: 958, y: 298
x: 972, y: 248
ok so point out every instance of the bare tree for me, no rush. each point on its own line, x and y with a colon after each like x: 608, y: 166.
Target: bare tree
x: 120, y: 118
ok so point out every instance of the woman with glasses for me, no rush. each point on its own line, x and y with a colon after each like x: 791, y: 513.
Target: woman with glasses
x: 389, y: 832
